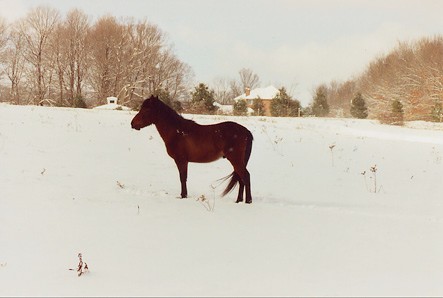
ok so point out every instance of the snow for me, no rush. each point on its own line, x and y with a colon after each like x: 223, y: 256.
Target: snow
x: 224, y: 109
x: 82, y: 181
x: 229, y: 109
x: 112, y: 106
x: 263, y: 93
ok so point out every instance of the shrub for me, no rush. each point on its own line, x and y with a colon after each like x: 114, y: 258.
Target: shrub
x: 203, y: 100
x: 397, y: 112
x: 320, y: 107
x: 283, y: 105
x: 358, y: 107
x: 258, y: 107
x: 240, y: 108
x: 79, y: 102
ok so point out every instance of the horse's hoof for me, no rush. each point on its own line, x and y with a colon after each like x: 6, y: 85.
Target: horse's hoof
x: 249, y: 202
x: 238, y: 201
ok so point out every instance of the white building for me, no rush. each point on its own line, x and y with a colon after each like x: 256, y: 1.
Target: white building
x: 112, y: 105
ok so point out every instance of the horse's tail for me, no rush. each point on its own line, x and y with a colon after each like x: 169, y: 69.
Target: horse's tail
x: 235, y: 178
x: 232, y: 183
x: 248, y: 150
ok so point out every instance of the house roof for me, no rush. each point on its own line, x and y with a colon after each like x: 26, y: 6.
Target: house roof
x: 263, y: 93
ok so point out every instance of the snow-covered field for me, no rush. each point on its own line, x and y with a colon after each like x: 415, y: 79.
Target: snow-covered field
x: 321, y: 223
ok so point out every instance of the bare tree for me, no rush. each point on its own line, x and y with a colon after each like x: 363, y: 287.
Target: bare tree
x: 3, y: 38
x: 148, y: 65
x: 340, y: 96
x: 103, y: 37
x: 248, y: 79
x: 58, y: 61
x: 11, y: 57
x: 76, y: 27
x: 223, y: 92
x: 64, y: 61
x: 14, y: 62
x: 171, y: 74
x: 412, y: 74
x: 145, y: 42
x: 36, y: 29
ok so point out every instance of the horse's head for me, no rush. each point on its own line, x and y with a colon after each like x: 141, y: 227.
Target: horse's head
x: 147, y: 114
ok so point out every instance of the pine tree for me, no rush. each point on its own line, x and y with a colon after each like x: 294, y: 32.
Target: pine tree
x: 437, y: 112
x: 258, y: 107
x: 283, y: 105
x: 166, y: 97
x: 320, y: 107
x: 240, y: 108
x: 203, y: 100
x: 358, y: 107
x: 397, y: 112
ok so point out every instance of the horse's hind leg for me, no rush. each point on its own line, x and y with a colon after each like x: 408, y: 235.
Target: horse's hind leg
x: 241, y: 189
x: 238, y: 155
x: 247, y: 185
x: 243, y: 178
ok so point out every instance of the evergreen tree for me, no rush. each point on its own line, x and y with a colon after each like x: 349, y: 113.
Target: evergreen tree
x: 320, y: 107
x: 397, y: 112
x: 240, y: 108
x: 437, y: 112
x: 358, y: 107
x: 203, y: 100
x: 258, y: 107
x: 166, y: 97
x: 283, y: 105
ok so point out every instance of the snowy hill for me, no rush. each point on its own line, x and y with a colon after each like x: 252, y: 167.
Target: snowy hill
x: 340, y: 207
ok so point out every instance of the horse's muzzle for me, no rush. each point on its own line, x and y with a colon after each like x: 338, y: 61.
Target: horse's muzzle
x: 134, y: 126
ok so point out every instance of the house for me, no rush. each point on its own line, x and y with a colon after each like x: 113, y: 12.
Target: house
x: 266, y: 94
x: 112, y: 105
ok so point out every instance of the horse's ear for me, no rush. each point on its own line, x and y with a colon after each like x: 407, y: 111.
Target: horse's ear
x: 146, y: 102
x: 152, y: 97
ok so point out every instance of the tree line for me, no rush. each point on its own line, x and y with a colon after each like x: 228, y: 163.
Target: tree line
x: 405, y: 84
x: 47, y: 58
x: 70, y: 60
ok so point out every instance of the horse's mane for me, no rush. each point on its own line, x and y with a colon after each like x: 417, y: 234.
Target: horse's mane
x: 171, y: 115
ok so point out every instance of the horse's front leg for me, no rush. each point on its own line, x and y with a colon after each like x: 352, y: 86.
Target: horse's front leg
x: 183, y: 171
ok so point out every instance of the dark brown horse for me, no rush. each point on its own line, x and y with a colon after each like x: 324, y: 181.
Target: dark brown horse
x: 187, y: 141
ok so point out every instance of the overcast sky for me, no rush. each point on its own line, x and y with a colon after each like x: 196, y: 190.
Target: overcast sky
x: 296, y: 44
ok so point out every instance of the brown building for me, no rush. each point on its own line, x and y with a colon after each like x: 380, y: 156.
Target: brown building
x: 266, y: 94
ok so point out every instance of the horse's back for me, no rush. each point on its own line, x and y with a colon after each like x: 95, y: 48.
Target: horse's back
x: 234, y: 129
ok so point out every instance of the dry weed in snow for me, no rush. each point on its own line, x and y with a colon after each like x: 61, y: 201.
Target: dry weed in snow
x: 82, y: 267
